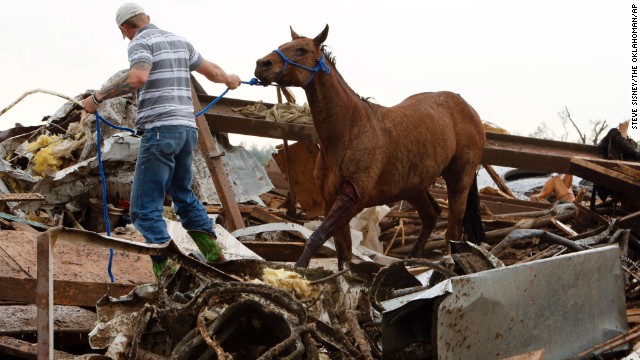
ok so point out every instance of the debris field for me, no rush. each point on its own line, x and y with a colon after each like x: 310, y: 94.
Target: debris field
x: 555, y: 279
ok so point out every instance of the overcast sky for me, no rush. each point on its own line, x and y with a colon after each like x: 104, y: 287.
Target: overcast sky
x: 517, y: 63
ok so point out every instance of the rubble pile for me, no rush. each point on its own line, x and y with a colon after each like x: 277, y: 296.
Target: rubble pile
x: 198, y: 317
x: 554, y: 279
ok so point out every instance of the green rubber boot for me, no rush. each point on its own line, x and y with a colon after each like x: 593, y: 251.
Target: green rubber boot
x: 158, y: 267
x: 207, y: 244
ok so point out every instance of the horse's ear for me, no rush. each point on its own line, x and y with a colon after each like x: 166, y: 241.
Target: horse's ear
x: 294, y: 35
x: 322, y: 36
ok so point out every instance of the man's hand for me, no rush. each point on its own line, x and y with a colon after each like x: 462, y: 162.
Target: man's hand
x: 233, y: 81
x: 89, y: 106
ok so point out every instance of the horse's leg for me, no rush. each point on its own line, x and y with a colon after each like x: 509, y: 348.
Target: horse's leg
x: 345, y: 206
x: 342, y: 236
x: 342, y: 239
x: 459, y: 178
x: 428, y: 209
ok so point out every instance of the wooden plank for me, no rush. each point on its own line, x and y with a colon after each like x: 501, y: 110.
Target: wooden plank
x: 80, y: 271
x: 265, y: 216
x: 291, y: 197
x: 209, y: 148
x: 600, y: 174
x: 496, y: 179
x: 26, y: 350
x: 221, y: 118
x: 394, y: 214
x: 533, y: 154
x: 21, y: 319
x: 5, y: 224
x: 44, y: 296
x: 627, y: 170
x: 499, y: 205
x: 563, y: 227
x: 73, y: 293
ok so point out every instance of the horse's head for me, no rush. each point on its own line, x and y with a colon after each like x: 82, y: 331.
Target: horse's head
x: 294, y: 63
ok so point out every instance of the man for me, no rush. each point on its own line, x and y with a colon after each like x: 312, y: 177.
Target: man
x: 160, y: 66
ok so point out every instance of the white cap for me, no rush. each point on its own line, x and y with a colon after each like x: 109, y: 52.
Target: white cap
x: 127, y: 11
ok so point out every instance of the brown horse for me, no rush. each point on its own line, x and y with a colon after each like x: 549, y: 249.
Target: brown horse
x: 372, y: 155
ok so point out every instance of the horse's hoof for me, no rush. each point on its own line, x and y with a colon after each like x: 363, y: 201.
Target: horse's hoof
x: 302, y: 264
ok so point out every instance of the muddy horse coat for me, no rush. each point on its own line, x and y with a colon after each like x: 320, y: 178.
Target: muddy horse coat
x: 373, y: 155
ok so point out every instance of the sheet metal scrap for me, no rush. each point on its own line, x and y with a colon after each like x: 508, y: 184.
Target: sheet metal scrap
x: 195, y: 316
x: 531, y: 307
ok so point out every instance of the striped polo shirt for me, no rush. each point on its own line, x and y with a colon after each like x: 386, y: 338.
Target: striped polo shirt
x: 165, y: 99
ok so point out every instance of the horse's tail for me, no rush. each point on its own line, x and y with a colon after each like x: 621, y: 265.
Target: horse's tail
x: 472, y: 222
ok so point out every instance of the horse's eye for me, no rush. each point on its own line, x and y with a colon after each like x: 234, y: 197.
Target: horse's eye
x: 301, y: 51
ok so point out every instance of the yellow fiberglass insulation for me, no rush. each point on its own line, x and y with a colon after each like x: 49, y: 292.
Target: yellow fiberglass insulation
x: 289, y: 281
x: 44, y: 158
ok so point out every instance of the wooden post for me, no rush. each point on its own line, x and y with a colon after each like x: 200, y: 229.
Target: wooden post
x: 209, y: 147
x: 291, y: 197
x: 44, y: 296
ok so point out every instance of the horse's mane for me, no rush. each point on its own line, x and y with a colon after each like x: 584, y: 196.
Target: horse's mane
x: 328, y: 55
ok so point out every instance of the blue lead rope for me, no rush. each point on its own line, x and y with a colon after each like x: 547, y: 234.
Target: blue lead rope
x: 104, y: 183
x: 99, y: 119
x: 253, y: 81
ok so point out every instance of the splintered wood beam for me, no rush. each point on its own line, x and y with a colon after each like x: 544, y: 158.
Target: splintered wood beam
x: 496, y: 179
x: 209, y: 146
x: 598, y: 173
x: 533, y: 154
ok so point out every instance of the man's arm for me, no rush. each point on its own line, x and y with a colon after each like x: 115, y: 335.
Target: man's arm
x: 129, y: 82
x: 215, y: 73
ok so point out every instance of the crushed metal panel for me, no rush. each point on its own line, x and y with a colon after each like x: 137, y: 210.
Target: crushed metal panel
x: 247, y: 176
x: 565, y: 305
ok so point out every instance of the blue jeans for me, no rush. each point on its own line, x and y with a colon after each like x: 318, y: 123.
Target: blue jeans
x: 164, y: 166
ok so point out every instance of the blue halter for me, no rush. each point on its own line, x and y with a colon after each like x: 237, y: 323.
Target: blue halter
x: 321, y: 65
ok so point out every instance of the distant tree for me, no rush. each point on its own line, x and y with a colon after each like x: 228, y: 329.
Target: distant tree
x: 589, y: 135
x: 597, y: 127
x: 542, y: 132
x: 565, y: 116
